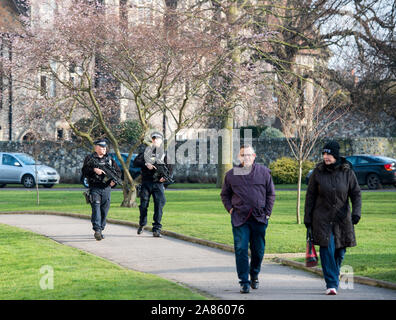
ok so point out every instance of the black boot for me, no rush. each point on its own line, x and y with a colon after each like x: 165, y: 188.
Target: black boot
x: 157, y: 234
x: 254, y: 283
x: 98, y: 235
x: 245, y: 288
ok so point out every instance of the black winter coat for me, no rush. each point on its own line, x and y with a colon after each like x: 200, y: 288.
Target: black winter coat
x: 327, y: 204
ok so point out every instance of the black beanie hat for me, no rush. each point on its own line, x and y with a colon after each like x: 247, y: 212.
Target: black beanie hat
x: 333, y: 148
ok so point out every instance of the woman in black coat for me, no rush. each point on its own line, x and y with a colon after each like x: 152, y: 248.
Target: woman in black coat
x: 327, y: 211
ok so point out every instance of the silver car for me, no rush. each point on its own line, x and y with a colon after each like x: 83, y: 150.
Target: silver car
x: 21, y: 168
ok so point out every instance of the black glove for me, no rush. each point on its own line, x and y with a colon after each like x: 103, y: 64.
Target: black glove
x: 355, y: 219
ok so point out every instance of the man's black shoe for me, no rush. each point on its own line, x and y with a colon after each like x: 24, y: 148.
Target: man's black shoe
x: 157, y: 234
x: 140, y: 230
x: 98, y: 235
x: 254, y: 284
x: 245, y: 288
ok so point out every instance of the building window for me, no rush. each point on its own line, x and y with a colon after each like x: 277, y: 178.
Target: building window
x: 72, y: 68
x: 59, y: 134
x: 123, y: 13
x: 145, y: 14
x: 172, y: 4
x: 53, y: 87
x: 98, y: 4
x: 43, y: 85
x: 28, y: 137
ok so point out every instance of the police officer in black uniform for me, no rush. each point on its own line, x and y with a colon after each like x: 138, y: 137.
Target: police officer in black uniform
x: 149, y: 160
x: 99, y: 186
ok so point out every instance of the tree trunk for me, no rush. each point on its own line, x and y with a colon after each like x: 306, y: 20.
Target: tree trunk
x: 38, y: 193
x: 36, y: 180
x: 225, y: 150
x: 129, y: 200
x: 299, y: 191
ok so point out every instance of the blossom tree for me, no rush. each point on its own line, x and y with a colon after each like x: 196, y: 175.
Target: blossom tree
x: 305, y: 113
x: 86, y: 60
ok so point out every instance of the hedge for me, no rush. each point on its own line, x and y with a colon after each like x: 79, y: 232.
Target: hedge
x: 285, y: 170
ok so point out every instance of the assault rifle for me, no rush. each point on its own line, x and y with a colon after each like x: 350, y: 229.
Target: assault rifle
x: 162, y: 172
x: 110, y: 172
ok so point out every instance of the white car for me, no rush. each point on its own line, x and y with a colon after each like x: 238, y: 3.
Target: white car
x: 21, y: 168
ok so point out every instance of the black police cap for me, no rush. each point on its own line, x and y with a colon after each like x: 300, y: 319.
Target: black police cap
x: 101, y: 142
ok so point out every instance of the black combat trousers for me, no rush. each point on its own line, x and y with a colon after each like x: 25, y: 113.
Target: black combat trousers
x: 158, y: 191
x: 100, y: 203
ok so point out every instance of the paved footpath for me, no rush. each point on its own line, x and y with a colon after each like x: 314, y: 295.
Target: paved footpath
x: 211, y: 271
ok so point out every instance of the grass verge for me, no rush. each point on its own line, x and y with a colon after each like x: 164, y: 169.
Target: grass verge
x: 200, y: 213
x: 77, y: 275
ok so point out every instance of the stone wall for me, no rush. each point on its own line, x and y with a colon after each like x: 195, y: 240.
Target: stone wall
x: 359, y: 124
x: 67, y: 159
x: 268, y: 150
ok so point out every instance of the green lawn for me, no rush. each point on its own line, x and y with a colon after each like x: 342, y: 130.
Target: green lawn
x: 172, y: 186
x: 77, y: 275
x: 200, y: 213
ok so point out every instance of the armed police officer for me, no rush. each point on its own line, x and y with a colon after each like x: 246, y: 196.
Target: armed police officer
x: 100, y: 184
x: 155, y: 173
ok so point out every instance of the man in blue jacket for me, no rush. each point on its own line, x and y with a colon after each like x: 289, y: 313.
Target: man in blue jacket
x: 248, y: 194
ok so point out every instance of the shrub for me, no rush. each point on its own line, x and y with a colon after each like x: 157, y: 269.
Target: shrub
x: 271, y: 132
x: 128, y: 132
x: 256, y: 131
x: 306, y: 167
x: 285, y: 170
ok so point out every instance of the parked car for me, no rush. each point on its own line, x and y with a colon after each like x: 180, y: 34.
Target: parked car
x: 135, y: 172
x: 371, y: 170
x: 21, y: 168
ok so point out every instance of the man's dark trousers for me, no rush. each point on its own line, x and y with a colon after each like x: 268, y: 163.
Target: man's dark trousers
x: 158, y: 191
x: 251, y: 232
x: 100, y: 203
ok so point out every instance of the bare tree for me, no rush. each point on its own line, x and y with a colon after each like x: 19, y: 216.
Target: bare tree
x: 306, y: 112
x: 276, y: 39
x: 97, y: 63
x: 237, y: 83
x: 367, y: 56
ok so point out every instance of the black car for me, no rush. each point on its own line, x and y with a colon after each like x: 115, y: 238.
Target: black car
x: 374, y: 171
x: 135, y: 172
x: 371, y: 170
